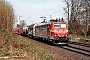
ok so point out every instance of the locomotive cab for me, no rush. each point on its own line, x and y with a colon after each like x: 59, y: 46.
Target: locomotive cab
x: 59, y: 32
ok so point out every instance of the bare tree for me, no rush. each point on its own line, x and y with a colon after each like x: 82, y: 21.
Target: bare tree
x: 6, y: 25
x: 67, y: 8
x: 78, y: 9
x: 6, y: 15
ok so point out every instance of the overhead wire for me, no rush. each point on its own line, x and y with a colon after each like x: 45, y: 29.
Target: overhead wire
x: 45, y: 11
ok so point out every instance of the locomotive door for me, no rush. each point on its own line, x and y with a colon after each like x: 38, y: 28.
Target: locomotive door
x: 48, y: 31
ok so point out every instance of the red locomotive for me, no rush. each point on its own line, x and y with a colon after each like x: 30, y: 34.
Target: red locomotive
x: 18, y: 30
x: 54, y: 31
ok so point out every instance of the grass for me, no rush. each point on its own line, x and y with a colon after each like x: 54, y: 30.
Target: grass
x: 31, y: 51
x: 15, y: 45
x: 81, y: 39
x: 4, y: 52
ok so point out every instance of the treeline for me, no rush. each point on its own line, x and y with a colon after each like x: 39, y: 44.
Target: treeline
x: 6, y: 16
x: 78, y: 12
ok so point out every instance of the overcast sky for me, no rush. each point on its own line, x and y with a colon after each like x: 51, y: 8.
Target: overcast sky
x: 32, y: 10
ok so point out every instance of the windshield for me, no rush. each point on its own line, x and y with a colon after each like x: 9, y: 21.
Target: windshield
x: 59, y: 25
x: 63, y: 25
x: 56, y: 25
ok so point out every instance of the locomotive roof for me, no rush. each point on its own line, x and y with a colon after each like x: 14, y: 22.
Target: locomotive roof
x: 39, y: 24
x: 46, y: 23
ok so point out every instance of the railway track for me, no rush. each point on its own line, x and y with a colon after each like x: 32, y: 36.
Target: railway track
x: 72, y: 51
x: 80, y: 44
x: 76, y: 47
x: 80, y: 48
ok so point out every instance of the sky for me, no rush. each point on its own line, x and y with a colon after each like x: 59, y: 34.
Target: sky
x: 32, y: 10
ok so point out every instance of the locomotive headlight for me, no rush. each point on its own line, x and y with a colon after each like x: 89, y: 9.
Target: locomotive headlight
x: 55, y: 35
x: 66, y: 35
x: 66, y: 30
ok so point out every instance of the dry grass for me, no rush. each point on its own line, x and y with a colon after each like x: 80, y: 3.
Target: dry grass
x: 81, y: 39
x: 30, y: 51
x: 13, y: 45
